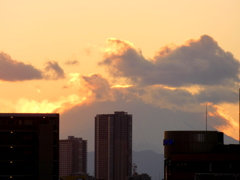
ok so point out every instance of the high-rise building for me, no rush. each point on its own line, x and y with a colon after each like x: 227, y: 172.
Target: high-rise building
x: 72, y: 156
x: 113, y: 146
x: 29, y: 146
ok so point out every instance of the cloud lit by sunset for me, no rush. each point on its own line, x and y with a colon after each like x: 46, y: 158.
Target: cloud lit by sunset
x: 161, y: 61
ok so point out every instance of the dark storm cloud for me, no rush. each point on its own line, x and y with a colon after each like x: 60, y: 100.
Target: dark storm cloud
x: 197, y: 62
x: 53, y: 71
x: 11, y: 70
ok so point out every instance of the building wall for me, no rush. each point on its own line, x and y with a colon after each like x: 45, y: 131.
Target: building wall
x: 29, y: 146
x: 76, y: 177
x: 65, y: 157
x: 83, y: 152
x: 113, y: 146
x: 102, y: 148
x: 199, y: 154
x: 136, y: 176
x: 191, y: 141
x: 73, y: 156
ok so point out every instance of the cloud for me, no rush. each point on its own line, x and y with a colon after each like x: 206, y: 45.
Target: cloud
x: 165, y: 98
x: 155, y: 109
x: 182, y: 99
x: 26, y: 105
x: 11, y: 70
x: 53, y: 71
x: 167, y: 92
x: 225, y: 122
x: 199, y: 61
x: 88, y: 51
x: 149, y: 122
x: 218, y: 94
x: 97, y: 87
x: 72, y: 62
x: 74, y: 80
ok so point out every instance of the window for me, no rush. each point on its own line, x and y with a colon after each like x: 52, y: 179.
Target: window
x: 200, y: 138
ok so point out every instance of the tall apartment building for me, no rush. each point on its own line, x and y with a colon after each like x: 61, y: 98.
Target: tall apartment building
x: 113, y: 146
x: 72, y: 156
x: 29, y: 146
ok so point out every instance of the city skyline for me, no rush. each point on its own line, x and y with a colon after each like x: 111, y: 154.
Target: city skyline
x: 162, y: 61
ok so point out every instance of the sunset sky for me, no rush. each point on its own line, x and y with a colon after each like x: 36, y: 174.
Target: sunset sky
x: 160, y: 60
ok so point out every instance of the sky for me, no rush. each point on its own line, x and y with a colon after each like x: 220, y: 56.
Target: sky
x: 163, y: 61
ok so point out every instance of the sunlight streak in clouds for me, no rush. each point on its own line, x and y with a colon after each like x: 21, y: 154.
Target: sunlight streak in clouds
x: 230, y: 127
x: 74, y: 80
x: 116, y: 46
x: 121, y: 86
x: 24, y: 105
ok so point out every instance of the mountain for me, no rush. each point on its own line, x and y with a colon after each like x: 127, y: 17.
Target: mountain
x: 149, y: 123
x: 147, y: 161
x: 229, y: 140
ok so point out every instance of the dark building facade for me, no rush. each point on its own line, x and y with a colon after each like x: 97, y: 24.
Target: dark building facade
x: 113, y: 146
x: 72, y: 156
x: 200, y: 155
x: 136, y: 176
x: 29, y: 146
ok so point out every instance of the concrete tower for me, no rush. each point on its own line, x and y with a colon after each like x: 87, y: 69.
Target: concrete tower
x: 113, y: 146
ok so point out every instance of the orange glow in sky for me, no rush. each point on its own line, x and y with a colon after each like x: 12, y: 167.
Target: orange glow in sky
x: 64, y: 51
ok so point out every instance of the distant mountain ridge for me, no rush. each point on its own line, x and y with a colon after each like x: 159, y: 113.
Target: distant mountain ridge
x: 147, y: 161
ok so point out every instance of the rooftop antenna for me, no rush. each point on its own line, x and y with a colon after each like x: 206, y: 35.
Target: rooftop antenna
x: 206, y: 116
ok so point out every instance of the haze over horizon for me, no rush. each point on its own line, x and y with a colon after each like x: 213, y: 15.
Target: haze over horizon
x: 161, y: 61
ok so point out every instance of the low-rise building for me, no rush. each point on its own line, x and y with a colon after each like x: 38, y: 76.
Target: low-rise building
x: 199, y: 155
